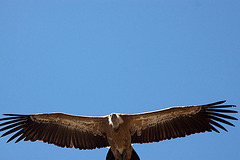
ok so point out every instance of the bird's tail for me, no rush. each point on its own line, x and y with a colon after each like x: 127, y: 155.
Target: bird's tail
x: 134, y: 155
x: 110, y: 155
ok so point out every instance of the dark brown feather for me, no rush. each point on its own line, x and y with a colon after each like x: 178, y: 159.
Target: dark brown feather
x: 217, y: 124
x: 15, y: 135
x: 223, y: 116
x: 84, y: 140
x: 42, y: 131
x: 9, y: 118
x: 12, y: 130
x: 11, y: 126
x: 214, y: 129
x: 215, y: 103
x: 222, y: 106
x: 81, y: 141
x: 31, y: 132
x: 75, y: 139
x: 168, y: 130
x: 53, y: 132
x: 157, y: 132
x: 221, y: 120
x: 58, y: 137
x: 63, y: 142
x: 222, y: 110
x: 9, y: 122
x: 67, y: 137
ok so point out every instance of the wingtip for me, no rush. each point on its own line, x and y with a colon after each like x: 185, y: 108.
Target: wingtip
x: 6, y: 114
x: 215, y: 103
x: 223, y: 101
x: 20, y: 115
x: 220, y: 102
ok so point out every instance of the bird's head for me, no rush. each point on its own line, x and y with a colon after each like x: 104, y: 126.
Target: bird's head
x: 115, y: 120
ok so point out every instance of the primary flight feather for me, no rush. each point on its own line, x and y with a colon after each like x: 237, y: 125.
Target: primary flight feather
x: 117, y: 131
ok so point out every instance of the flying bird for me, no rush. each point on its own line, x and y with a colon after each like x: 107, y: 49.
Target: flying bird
x: 117, y: 131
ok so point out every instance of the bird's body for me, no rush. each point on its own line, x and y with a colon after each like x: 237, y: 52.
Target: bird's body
x: 117, y: 131
x: 118, y: 138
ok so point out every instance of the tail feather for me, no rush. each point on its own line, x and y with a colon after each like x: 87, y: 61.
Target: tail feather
x: 134, y: 155
x: 110, y: 155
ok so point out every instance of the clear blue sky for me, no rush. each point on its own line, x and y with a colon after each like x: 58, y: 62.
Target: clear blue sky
x: 95, y: 57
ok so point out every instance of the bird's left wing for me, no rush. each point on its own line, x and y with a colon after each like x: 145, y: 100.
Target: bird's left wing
x: 176, y: 122
x: 60, y: 129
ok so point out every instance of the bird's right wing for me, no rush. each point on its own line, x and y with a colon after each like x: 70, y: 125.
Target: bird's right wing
x: 60, y: 129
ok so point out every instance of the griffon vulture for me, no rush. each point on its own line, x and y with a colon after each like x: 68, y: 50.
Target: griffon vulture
x: 118, y: 131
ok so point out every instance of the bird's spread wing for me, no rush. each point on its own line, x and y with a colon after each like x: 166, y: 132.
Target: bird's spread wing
x: 176, y: 122
x: 57, y: 128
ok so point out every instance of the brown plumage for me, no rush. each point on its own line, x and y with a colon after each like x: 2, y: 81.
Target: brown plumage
x: 118, y: 131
